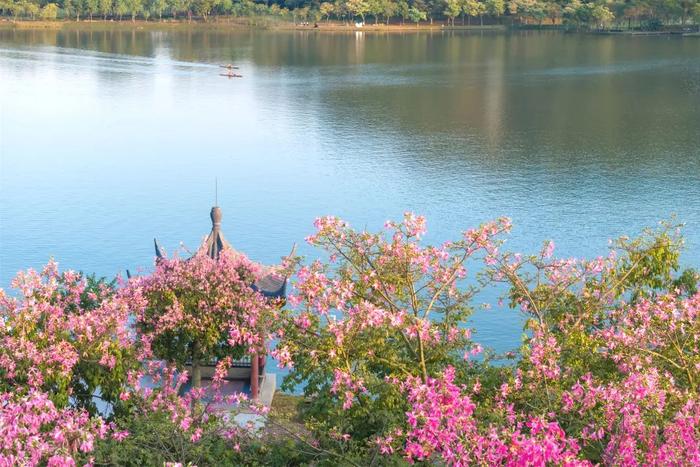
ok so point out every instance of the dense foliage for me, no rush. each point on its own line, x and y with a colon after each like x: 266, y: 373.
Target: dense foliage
x: 376, y: 337
x: 645, y: 14
x: 202, y: 311
x: 66, y: 335
x: 89, y: 370
x: 607, y: 372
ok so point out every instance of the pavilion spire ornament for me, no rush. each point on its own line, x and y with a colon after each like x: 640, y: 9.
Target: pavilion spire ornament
x: 215, y: 241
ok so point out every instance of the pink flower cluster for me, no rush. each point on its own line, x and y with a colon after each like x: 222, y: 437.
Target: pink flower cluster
x: 34, y: 432
x: 203, y: 299
x: 191, y: 411
x: 633, y: 426
x: 46, y: 332
x: 442, y: 424
x: 663, y: 333
x: 343, y: 382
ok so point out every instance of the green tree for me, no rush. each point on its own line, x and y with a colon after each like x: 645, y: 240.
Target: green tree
x: 121, y: 8
x: 470, y: 9
x: 402, y: 10
x: 49, y: 11
x: 134, y: 7
x: 66, y: 9
x: 105, y: 8
x: 340, y: 10
x: 79, y: 8
x: 495, y: 8
x: 31, y: 9
x: 602, y: 16
x: 177, y: 6
x: 16, y: 9
x: 452, y: 9
x: 375, y: 8
x: 204, y: 7
x: 157, y: 7
x: 433, y: 8
x: 553, y: 11
x: 326, y: 9
x: 358, y: 8
x: 91, y: 7
x: 389, y: 9
x: 416, y: 15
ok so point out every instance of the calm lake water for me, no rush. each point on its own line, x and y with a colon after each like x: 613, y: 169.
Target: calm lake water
x: 111, y: 138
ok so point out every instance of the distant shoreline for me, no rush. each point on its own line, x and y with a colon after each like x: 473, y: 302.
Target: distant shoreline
x: 235, y: 24
x: 264, y: 23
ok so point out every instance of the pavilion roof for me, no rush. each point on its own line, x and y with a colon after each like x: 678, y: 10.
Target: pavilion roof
x: 271, y: 284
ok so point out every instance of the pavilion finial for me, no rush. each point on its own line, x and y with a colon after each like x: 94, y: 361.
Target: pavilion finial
x: 216, y: 218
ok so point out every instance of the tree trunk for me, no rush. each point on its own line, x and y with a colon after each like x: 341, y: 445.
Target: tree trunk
x: 196, y: 366
x: 481, y: 19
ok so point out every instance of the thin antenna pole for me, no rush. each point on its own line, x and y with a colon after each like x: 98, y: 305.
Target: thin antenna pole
x: 216, y: 191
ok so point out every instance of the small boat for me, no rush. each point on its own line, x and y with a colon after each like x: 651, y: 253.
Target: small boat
x: 231, y: 75
x: 229, y: 66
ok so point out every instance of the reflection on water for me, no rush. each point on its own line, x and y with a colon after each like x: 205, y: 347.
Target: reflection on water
x: 111, y: 137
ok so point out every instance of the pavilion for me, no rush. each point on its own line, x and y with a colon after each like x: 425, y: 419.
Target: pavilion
x: 271, y: 285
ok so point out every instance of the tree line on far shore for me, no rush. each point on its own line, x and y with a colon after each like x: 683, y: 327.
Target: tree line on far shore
x: 597, y: 14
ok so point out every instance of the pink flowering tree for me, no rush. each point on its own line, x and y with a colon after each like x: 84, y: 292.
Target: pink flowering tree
x: 607, y: 372
x: 68, y: 336
x: 33, y: 431
x: 611, y: 352
x: 202, y: 311
x: 640, y: 415
x: 383, y: 308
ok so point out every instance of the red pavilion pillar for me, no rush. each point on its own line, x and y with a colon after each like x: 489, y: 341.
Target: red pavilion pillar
x: 254, y: 376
